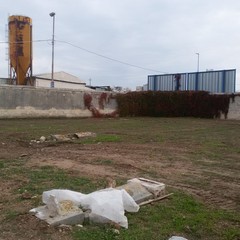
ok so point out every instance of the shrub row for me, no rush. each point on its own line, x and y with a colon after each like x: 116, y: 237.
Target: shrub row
x: 173, y: 104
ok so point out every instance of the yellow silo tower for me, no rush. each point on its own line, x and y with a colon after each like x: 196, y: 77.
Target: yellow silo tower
x: 20, y: 49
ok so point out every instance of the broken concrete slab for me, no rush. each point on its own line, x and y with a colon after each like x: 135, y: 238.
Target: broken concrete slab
x: 137, y: 191
x: 154, y: 187
x: 84, y: 134
x: 69, y: 219
x: 107, y: 204
x: 142, y: 189
x: 59, y: 212
x: 103, y: 206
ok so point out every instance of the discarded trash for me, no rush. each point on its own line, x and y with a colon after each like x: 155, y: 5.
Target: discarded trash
x: 177, y: 238
x: 64, y: 137
x: 142, y: 189
x: 71, y: 218
x: 65, y: 207
x: 107, y: 205
x: 84, y: 134
x: 62, y: 195
x: 155, y: 199
x: 137, y: 191
x: 156, y: 188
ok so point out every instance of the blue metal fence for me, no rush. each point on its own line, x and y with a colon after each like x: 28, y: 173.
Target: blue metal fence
x: 221, y: 81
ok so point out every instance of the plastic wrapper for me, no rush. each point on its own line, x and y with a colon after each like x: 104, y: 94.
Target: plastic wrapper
x: 108, y: 205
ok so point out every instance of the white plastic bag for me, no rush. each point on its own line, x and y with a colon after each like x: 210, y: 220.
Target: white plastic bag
x: 61, y: 195
x: 177, y: 238
x: 109, y: 204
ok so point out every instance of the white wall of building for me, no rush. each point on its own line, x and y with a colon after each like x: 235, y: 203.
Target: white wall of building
x: 62, y: 80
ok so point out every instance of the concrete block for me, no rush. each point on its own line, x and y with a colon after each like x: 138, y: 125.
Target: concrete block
x: 69, y: 219
x: 156, y: 188
x: 137, y: 191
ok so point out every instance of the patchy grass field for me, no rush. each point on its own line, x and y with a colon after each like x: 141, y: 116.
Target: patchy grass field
x: 198, y: 160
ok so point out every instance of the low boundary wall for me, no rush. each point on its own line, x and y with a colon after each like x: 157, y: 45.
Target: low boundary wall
x: 30, y: 102
x: 234, y: 108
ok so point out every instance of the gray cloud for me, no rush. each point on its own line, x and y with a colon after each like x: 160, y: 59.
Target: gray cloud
x: 156, y: 34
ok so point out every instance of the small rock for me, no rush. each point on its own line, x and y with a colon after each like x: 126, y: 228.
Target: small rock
x: 65, y: 227
x: 116, y: 231
x: 42, y: 139
x: 61, y: 138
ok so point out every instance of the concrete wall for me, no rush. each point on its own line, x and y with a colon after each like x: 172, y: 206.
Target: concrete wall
x: 234, y: 108
x: 26, y: 102
x: 30, y: 102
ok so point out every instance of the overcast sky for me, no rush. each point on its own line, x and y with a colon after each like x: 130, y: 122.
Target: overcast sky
x: 162, y: 35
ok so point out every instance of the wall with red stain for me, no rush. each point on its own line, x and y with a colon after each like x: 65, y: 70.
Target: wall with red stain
x: 27, y: 102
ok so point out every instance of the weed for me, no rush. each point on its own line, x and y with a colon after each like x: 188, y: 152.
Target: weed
x: 1, y: 164
x: 101, y: 139
x: 103, y: 162
x: 10, y: 215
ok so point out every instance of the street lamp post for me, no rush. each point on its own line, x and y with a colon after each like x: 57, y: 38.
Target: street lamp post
x: 198, y: 62
x: 52, y: 14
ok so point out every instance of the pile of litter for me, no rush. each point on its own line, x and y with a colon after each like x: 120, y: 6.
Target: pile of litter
x: 103, y: 206
x: 64, y: 137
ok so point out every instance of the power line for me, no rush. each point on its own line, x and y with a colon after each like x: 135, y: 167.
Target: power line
x: 109, y: 58
x: 86, y: 50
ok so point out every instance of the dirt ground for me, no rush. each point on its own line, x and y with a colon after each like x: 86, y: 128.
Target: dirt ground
x: 118, y: 160
x: 133, y: 160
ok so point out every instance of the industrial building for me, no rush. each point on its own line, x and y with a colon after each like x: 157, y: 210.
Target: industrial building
x: 61, y: 80
x: 221, y: 81
x: 20, y: 60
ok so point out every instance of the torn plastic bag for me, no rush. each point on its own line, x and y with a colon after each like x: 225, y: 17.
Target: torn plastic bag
x: 58, y: 202
x: 62, y: 195
x: 109, y: 204
x: 177, y: 238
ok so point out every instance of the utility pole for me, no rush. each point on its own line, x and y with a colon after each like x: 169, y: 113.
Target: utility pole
x: 52, y: 14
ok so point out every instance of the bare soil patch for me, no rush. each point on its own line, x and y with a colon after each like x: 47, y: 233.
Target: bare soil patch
x: 120, y: 160
x: 193, y: 161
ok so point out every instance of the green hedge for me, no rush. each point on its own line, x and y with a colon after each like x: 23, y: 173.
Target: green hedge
x: 173, y: 104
